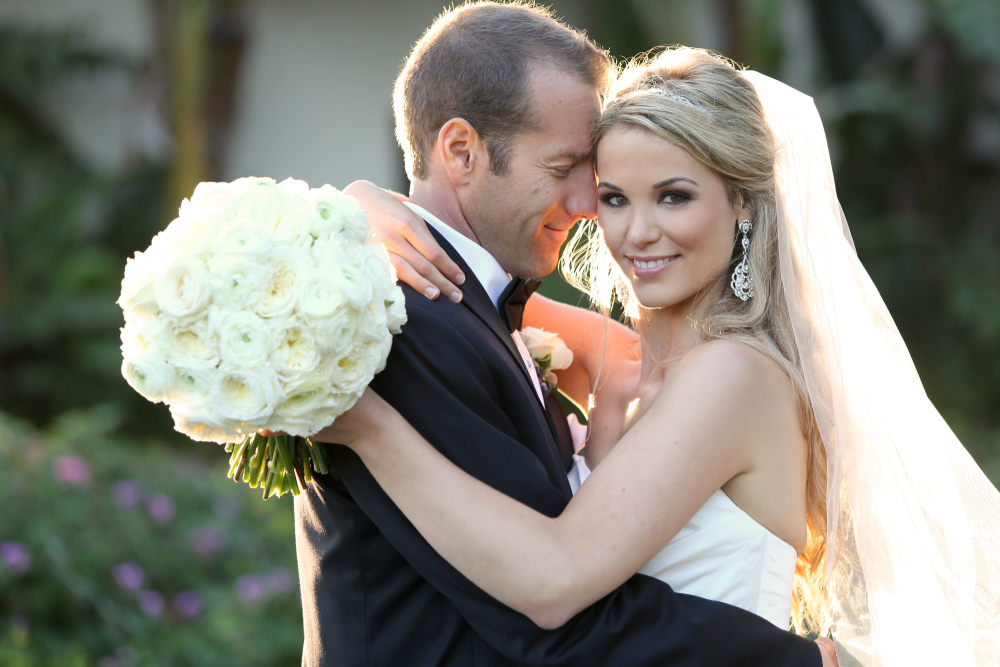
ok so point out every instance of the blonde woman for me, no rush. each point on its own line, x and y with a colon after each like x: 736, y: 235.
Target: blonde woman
x: 720, y: 233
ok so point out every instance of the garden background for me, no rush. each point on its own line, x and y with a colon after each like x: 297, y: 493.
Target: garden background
x: 121, y: 542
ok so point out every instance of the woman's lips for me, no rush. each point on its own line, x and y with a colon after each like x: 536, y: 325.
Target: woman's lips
x: 649, y: 267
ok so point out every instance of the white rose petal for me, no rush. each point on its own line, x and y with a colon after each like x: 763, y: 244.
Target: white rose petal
x: 193, y: 383
x: 244, y: 338
x: 351, y: 371
x: 321, y: 294
x: 395, y: 310
x: 179, y: 339
x: 182, y: 286
x: 541, y: 344
x: 247, y: 395
x: 329, y: 218
x: 245, y: 238
x: 295, y: 349
x: 137, y: 285
x: 304, y: 396
x: 284, y: 268
x: 238, y: 281
x: 336, y: 332
x: 149, y: 374
x: 356, y: 286
x: 204, y: 426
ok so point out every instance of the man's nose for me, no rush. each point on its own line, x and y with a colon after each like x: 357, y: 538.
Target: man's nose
x: 582, y: 199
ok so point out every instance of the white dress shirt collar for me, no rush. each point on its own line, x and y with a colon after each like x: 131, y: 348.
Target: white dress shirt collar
x: 488, y: 271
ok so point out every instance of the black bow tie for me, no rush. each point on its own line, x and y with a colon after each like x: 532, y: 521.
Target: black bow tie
x: 511, y: 302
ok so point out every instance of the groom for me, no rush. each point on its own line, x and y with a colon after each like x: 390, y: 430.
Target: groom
x: 494, y: 109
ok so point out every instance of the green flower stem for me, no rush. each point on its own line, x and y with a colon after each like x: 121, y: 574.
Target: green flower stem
x: 318, y: 457
x: 303, y: 446
x: 260, y: 447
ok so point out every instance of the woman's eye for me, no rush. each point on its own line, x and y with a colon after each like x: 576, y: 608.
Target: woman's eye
x: 674, y: 197
x: 613, y: 200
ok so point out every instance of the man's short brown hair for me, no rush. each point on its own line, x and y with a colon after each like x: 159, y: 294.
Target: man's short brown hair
x: 474, y: 63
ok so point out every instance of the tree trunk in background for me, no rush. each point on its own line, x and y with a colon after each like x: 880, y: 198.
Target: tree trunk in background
x: 188, y: 75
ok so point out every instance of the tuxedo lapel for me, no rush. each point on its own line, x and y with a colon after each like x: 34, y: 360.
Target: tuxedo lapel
x: 478, y: 301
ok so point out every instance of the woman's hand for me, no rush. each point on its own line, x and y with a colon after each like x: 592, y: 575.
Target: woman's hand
x: 828, y: 652
x: 368, y: 415
x: 418, y: 259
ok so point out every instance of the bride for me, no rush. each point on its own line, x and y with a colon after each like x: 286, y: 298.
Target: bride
x: 771, y: 446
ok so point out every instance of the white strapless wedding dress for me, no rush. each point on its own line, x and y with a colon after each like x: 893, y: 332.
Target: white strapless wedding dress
x: 723, y: 554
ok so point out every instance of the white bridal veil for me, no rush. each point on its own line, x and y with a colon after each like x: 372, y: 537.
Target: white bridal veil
x: 913, y: 541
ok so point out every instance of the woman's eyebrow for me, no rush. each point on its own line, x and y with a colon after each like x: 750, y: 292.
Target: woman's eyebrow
x: 609, y: 186
x: 671, y: 181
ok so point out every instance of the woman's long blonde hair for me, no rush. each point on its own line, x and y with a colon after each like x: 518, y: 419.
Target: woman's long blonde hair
x: 700, y: 102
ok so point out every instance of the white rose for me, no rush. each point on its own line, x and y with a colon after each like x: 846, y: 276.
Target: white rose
x: 182, y: 286
x: 295, y: 187
x: 317, y: 420
x: 149, y: 374
x: 262, y: 202
x: 395, y: 309
x: 195, y: 232
x: 244, y: 238
x: 335, y: 333
x: 295, y: 349
x: 284, y: 268
x: 238, y: 281
x: 195, y: 341
x: 137, y: 285
x: 293, y: 225
x: 328, y: 218
x: 372, y: 323
x: 137, y: 337
x: 303, y: 397
x: 202, y: 425
x: 321, y: 293
x: 355, y: 219
x: 356, y: 286
x: 193, y: 382
x: 247, y: 395
x: 351, y: 371
x: 244, y: 338
x: 378, y: 267
x: 542, y: 344
x: 218, y: 197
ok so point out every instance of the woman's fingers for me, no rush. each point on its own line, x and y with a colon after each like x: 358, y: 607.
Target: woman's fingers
x: 433, y: 263
x: 415, y: 254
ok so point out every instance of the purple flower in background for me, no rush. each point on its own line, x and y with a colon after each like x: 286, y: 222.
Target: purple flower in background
x: 126, y: 493
x: 187, y: 604
x: 16, y: 556
x: 150, y: 602
x: 160, y: 507
x: 70, y: 469
x: 279, y: 580
x: 129, y: 576
x: 208, y: 540
x: 250, y: 587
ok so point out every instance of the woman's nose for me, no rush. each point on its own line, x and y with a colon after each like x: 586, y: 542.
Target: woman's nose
x: 642, y: 231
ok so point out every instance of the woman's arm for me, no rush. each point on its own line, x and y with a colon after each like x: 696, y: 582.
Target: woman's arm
x: 697, y: 435
x: 421, y: 264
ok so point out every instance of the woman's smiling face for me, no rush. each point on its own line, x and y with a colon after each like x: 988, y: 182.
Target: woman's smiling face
x: 666, y: 217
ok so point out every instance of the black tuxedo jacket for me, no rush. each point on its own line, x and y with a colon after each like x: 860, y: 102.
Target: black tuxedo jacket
x: 375, y: 594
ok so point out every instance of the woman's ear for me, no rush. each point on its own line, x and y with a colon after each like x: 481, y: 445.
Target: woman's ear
x: 461, y: 149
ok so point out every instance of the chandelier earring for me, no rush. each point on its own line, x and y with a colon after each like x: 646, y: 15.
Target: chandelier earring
x: 742, y: 283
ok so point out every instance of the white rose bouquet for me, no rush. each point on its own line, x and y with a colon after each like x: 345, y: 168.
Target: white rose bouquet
x: 262, y: 306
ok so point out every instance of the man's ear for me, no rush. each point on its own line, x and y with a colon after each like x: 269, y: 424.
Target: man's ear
x: 462, y: 150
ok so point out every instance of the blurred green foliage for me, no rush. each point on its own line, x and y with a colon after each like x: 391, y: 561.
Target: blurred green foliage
x: 65, y: 231
x: 115, y: 552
